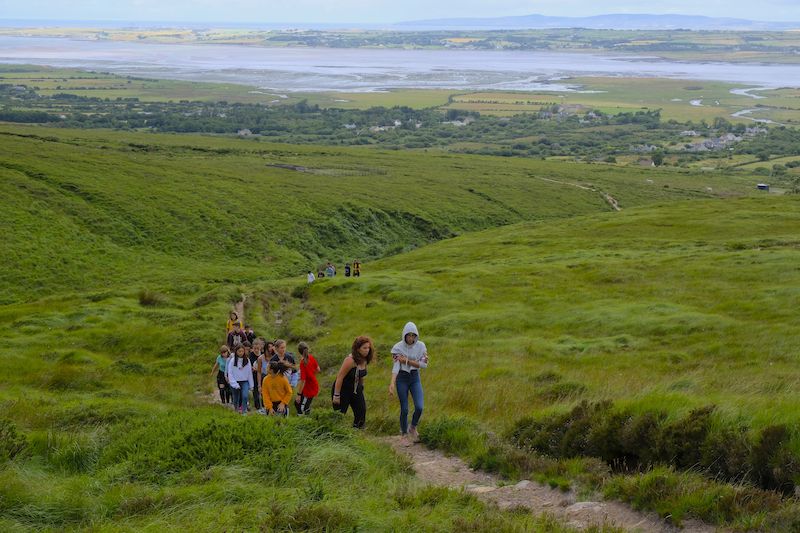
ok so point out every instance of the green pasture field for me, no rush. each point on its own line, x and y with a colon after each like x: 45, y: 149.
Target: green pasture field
x: 774, y: 161
x: 413, y: 98
x: 125, y: 251
x: 50, y: 81
x: 614, y: 95
x: 628, y: 95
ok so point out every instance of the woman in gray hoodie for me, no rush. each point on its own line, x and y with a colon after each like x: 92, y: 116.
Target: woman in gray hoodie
x: 409, y: 355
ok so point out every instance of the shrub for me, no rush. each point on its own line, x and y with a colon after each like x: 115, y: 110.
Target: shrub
x: 451, y: 434
x: 561, y: 391
x: 629, y: 442
x: 320, y: 517
x: 149, y: 298
x: 12, y: 443
x: 774, y: 466
x: 680, y: 442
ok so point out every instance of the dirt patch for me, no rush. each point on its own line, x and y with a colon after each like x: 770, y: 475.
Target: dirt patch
x: 436, y: 468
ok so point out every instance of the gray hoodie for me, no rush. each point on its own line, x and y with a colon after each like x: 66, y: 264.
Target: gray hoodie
x: 415, y: 351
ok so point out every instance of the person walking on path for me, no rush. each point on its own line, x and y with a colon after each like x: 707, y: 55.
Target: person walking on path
x: 254, y: 356
x: 409, y: 355
x: 348, y: 389
x: 232, y: 319
x: 240, y: 376
x: 262, y: 365
x: 287, y: 360
x: 236, y: 337
x: 276, y: 391
x: 310, y: 278
x: 221, y: 367
x: 308, y: 387
x: 356, y: 268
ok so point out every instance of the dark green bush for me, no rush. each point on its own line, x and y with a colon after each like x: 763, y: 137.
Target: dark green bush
x: 774, y: 466
x: 629, y: 442
x: 12, y: 443
x: 150, y: 298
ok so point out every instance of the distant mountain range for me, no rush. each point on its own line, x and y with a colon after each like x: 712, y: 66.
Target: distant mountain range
x: 609, y: 22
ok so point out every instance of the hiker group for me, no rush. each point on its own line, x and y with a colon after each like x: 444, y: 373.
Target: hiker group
x: 248, y: 364
x: 329, y: 271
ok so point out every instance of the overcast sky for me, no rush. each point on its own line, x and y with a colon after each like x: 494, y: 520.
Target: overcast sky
x: 377, y: 11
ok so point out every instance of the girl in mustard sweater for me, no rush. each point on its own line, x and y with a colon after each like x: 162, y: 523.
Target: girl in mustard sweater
x: 275, y: 390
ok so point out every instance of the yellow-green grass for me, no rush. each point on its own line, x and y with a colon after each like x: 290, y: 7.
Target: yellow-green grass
x: 120, y: 435
x: 776, y: 160
x: 50, y: 81
x: 618, y: 95
x: 664, y: 308
x: 125, y: 251
x: 121, y: 198
x: 413, y: 98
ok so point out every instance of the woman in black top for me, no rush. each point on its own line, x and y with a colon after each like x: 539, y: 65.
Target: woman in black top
x: 348, y: 389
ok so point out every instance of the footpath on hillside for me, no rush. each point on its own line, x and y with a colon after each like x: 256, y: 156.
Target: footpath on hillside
x: 436, y: 468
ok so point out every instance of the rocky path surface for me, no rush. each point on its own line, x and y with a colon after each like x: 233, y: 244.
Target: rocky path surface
x: 436, y: 468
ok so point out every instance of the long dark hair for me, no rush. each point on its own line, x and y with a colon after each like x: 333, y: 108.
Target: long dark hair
x: 358, y: 343
x: 236, y: 356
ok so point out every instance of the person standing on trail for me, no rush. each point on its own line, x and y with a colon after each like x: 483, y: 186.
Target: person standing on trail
x: 310, y: 278
x: 308, y: 387
x: 240, y: 376
x: 287, y: 360
x: 356, y: 268
x: 347, y: 270
x: 262, y: 365
x: 232, y: 319
x: 250, y: 334
x: 409, y: 355
x: 254, y: 355
x: 236, y: 336
x: 276, y: 390
x: 221, y: 367
x: 348, y: 389
x: 330, y: 270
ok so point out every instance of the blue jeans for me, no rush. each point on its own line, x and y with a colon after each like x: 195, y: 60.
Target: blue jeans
x: 240, y: 395
x: 409, y: 382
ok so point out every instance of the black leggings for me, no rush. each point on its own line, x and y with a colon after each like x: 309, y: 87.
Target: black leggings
x: 354, y: 400
x: 304, y: 405
x: 257, y: 400
x: 224, y: 388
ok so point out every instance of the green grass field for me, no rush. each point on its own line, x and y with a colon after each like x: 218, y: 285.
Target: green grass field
x: 124, y: 253
x: 626, y: 95
x: 609, y: 95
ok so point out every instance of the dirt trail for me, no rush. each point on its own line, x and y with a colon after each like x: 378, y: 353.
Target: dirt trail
x: 436, y: 468
x: 239, y: 308
x: 610, y: 200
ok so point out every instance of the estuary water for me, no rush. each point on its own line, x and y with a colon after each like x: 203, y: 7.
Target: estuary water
x: 356, y: 69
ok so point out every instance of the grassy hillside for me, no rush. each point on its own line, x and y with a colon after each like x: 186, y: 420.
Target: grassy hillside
x: 123, y: 254
x: 90, y: 208
x: 682, y: 316
x: 670, y: 294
